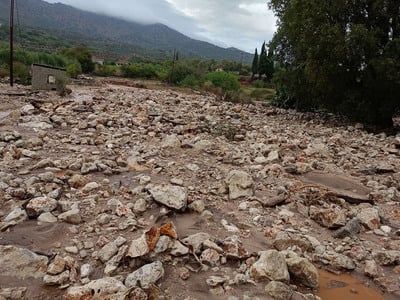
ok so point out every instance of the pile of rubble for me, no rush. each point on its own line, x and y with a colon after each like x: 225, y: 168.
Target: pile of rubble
x: 121, y: 192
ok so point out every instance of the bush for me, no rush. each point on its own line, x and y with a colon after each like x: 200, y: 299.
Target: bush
x: 146, y: 71
x: 226, y: 81
x: 259, y: 84
x: 191, y: 81
x: 74, y: 70
x: 61, y: 86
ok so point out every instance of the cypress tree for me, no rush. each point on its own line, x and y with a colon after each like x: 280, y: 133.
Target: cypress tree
x: 263, y: 65
x: 254, y: 66
x: 270, y: 65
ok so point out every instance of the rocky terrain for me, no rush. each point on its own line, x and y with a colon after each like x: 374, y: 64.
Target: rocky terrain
x: 122, y: 192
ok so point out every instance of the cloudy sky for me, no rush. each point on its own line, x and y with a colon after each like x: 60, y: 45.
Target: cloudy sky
x: 243, y: 24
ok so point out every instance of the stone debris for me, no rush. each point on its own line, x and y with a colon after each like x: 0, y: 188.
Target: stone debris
x: 120, y: 192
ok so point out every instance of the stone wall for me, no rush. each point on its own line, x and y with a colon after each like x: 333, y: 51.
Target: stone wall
x: 44, y: 77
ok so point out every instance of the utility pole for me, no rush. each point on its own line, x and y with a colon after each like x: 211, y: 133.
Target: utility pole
x: 12, y: 43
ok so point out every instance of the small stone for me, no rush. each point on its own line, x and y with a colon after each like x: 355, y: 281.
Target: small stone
x: 108, y: 251
x: 17, y: 215
x: 197, y: 206
x: 172, y: 196
x: 184, y: 273
x: 56, y: 266
x: 72, y: 249
x: 72, y: 216
x: 47, y: 217
x: 177, y: 249
x: 330, y: 218
x: 138, y: 247
x: 59, y: 279
x: 371, y: 269
x: 77, y: 181
x: 302, y: 270
x: 140, y: 206
x: 86, y: 270
x: 145, y: 276
x: 240, y: 184
x: 39, y: 205
x: 270, y: 266
x: 104, y: 288
x: 210, y: 257
x: 90, y: 187
x: 369, y: 217
x: 214, y: 281
x: 278, y: 290
x: 387, y: 258
x: 196, y: 240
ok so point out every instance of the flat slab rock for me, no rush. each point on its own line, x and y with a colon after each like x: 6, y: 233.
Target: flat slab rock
x: 343, y: 186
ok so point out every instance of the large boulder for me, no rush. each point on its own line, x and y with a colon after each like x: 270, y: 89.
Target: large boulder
x: 145, y: 276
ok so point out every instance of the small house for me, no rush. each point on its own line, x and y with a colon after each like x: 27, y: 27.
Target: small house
x: 44, y: 77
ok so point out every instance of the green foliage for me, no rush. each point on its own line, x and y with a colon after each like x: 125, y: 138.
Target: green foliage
x: 254, y: 66
x: 263, y: 65
x: 82, y: 55
x: 224, y: 80
x: 343, y: 56
x: 259, y: 84
x: 74, y: 69
x: 140, y: 70
x: 61, y: 86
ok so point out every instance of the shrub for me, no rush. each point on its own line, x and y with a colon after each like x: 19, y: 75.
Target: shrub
x: 146, y: 71
x: 259, y: 84
x: 74, y: 69
x: 224, y: 80
x: 191, y: 81
x: 61, y: 86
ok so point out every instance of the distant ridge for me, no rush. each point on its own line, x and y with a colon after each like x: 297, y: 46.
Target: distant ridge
x: 158, y: 39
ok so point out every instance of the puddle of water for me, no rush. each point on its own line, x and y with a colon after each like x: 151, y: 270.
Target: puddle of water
x: 344, y: 287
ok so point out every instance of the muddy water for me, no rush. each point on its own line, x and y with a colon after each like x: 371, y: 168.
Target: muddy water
x: 345, y: 287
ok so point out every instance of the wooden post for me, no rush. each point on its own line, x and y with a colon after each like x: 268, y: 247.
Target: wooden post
x: 12, y: 43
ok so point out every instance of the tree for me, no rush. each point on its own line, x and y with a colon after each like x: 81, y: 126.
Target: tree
x: 254, y: 66
x: 270, y: 65
x: 263, y: 65
x: 343, y: 56
x: 83, y: 55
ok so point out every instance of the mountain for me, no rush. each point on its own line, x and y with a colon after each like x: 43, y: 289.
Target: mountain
x: 68, y: 21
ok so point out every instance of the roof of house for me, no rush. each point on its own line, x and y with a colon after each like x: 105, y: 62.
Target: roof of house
x: 49, y: 67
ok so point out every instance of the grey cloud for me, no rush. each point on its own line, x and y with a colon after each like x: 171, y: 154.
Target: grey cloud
x: 229, y: 23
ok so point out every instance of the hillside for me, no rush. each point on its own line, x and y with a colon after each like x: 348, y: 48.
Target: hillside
x: 63, y: 20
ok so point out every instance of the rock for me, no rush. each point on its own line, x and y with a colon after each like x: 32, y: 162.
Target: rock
x: 72, y: 249
x: 39, y: 205
x: 59, y: 279
x: 88, y: 168
x: 177, y: 249
x: 145, y: 276
x: 56, y: 266
x: 171, y: 141
x: 86, y: 270
x: 371, y: 269
x: 104, y: 288
x: 17, y: 293
x: 140, y: 206
x: 284, y: 241
x: 210, y: 257
x: 273, y: 156
x: 77, y: 181
x: 184, y: 273
x: 172, y: 196
x: 352, y: 228
x: 138, y: 247
x: 21, y: 263
x: 108, y: 251
x: 270, y: 266
x: 330, y: 218
x: 27, y: 109
x: 196, y: 240
x: 278, y: 290
x: 72, y: 216
x: 90, y: 187
x: 47, y: 217
x: 197, y: 206
x: 302, y: 270
x: 234, y: 249
x: 163, y: 244
x: 369, y: 217
x: 387, y: 258
x: 240, y: 184
x: 214, y: 281
x: 17, y: 215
